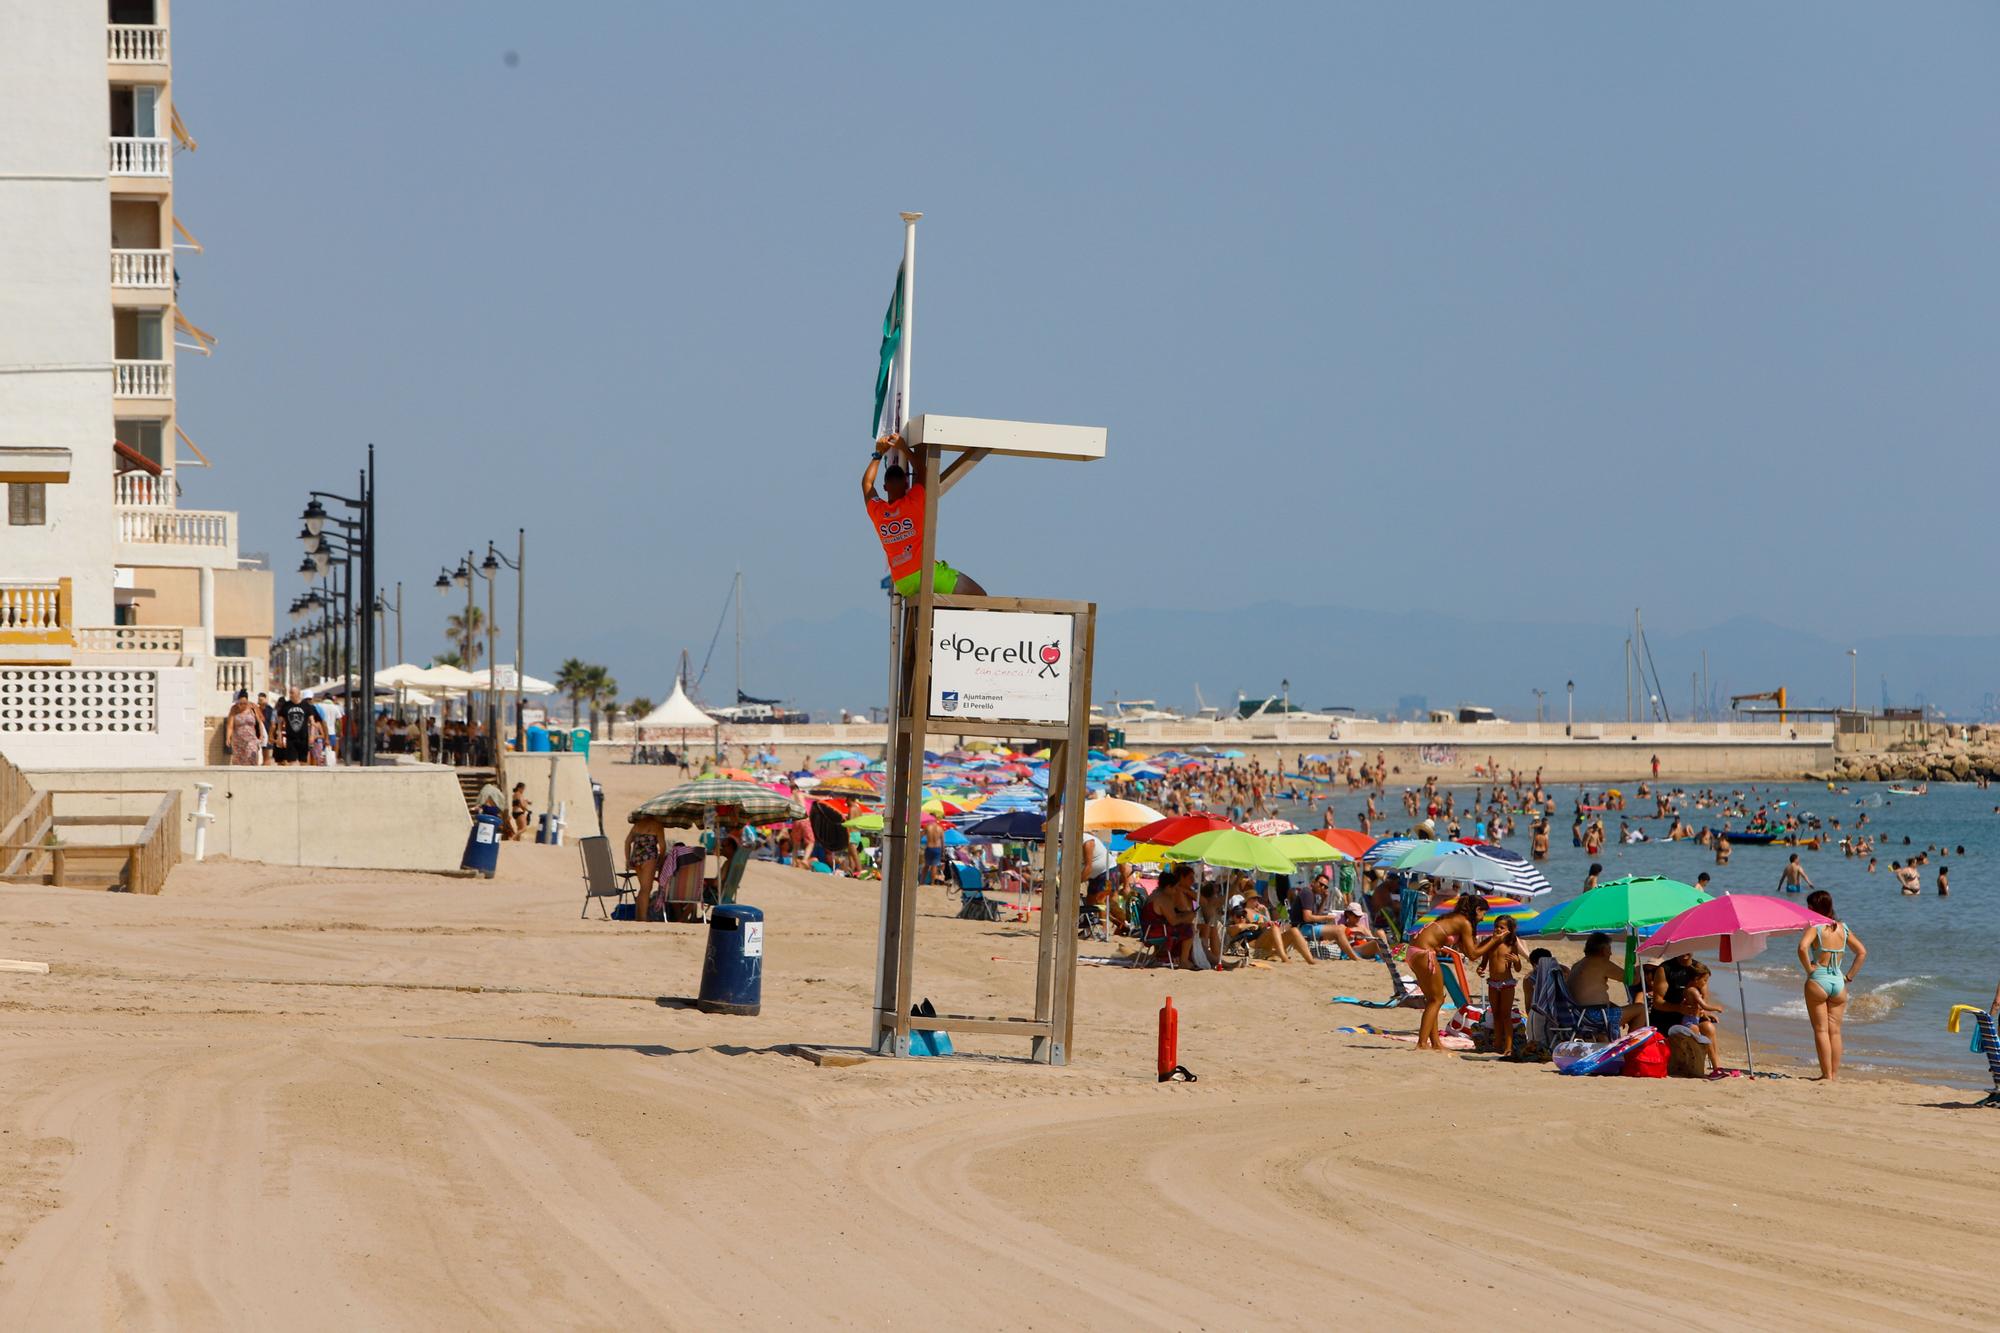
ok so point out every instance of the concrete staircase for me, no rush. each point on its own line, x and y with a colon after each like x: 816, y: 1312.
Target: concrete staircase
x: 470, y: 780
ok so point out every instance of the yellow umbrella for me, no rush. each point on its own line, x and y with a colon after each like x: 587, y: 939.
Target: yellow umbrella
x: 1143, y: 854
x: 1109, y: 812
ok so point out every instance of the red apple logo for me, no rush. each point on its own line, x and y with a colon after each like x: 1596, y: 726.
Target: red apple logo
x: 1051, y: 654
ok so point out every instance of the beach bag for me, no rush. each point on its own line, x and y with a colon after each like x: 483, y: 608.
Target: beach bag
x: 1648, y: 1059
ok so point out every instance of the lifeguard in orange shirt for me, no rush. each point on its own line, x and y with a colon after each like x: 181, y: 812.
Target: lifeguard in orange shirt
x: 899, y: 521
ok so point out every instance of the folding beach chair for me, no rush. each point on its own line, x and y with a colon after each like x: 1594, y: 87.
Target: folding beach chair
x: 1989, y: 1042
x: 973, y: 904
x: 681, y: 885
x: 1403, y: 993
x: 722, y: 889
x: 1566, y: 1019
x: 601, y: 878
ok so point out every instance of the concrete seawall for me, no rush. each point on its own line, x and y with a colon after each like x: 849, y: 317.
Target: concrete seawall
x: 408, y: 817
x: 1597, y: 752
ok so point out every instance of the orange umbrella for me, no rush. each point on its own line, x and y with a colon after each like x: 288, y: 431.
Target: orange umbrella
x: 1352, y: 841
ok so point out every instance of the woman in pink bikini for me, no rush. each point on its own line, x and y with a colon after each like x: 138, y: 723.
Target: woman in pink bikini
x: 1453, y: 930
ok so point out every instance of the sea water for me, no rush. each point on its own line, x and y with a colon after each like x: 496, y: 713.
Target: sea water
x: 1925, y: 953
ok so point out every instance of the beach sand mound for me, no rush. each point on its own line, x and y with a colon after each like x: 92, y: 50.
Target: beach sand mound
x: 325, y: 1099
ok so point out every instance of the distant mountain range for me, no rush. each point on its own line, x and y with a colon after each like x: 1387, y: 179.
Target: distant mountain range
x: 1374, y: 661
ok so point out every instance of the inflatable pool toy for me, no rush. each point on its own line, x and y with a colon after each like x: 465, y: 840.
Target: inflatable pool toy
x: 1985, y: 1039
x: 1611, y: 1059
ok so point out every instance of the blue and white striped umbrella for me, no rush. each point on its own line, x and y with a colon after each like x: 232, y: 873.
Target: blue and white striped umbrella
x: 1514, y: 879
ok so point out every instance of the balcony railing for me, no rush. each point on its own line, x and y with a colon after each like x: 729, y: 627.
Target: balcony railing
x: 138, y: 44
x: 32, y: 609
x: 143, y: 379
x: 117, y: 640
x: 175, y: 527
x: 142, y: 268
x: 235, y: 673
x: 140, y: 157
x: 143, y: 490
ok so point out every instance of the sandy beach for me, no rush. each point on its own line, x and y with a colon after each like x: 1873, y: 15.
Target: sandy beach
x: 329, y: 1099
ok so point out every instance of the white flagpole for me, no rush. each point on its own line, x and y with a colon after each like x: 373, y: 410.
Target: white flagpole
x: 899, y: 417
x: 907, y: 347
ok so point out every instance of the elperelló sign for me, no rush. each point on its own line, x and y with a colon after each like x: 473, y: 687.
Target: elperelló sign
x: 1000, y: 666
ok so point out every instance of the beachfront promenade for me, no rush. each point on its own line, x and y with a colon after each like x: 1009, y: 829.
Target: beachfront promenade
x: 1595, y: 752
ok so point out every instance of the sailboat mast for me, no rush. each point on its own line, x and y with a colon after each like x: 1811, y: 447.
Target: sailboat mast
x: 739, y: 636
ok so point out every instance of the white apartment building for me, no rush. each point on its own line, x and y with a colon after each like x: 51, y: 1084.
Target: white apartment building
x: 126, y: 618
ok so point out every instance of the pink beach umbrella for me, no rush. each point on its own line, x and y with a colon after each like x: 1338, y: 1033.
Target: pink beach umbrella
x: 1733, y: 926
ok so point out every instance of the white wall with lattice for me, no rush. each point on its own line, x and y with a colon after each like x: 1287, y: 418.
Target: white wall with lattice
x: 101, y: 717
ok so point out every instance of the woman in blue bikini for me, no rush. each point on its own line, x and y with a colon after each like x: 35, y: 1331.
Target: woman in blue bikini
x: 1823, y: 953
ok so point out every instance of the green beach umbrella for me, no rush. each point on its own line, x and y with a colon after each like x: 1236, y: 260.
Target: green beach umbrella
x: 870, y: 823
x: 1233, y: 849
x: 1623, y: 906
x: 1305, y: 849
x: 731, y: 803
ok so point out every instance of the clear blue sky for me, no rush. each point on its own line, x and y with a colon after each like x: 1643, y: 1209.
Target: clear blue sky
x: 1539, y: 312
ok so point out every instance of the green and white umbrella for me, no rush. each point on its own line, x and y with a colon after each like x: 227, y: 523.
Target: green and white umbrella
x: 729, y: 801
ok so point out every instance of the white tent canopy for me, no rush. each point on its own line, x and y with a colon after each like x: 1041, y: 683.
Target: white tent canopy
x: 677, y: 711
x: 529, y: 684
x: 401, y: 676
x: 435, y: 679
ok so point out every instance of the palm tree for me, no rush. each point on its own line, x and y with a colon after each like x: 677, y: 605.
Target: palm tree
x: 637, y: 708
x: 465, y: 630
x: 573, y: 679
x: 602, y: 691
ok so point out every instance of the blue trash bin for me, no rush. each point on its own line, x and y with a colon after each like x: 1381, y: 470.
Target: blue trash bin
x: 538, y: 739
x: 732, y: 971
x: 482, y: 845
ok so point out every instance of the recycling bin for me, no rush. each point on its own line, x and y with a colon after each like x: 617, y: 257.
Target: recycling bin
x: 482, y: 844
x: 732, y: 970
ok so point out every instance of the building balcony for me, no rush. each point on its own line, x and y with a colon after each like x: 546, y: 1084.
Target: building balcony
x: 136, y: 44
x: 237, y: 673
x: 133, y: 644
x: 35, y: 623
x: 143, y: 268
x: 202, y: 536
x: 140, y: 157
x: 142, y: 379
x: 143, y: 490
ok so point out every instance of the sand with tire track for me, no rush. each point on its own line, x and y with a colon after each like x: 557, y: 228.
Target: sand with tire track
x: 274, y: 1098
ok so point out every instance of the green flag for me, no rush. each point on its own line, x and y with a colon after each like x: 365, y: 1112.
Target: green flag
x: 888, y: 414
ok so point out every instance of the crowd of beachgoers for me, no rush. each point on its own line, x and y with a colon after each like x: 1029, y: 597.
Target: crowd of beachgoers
x: 1194, y: 860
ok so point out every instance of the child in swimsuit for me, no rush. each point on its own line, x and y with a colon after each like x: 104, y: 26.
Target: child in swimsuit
x: 1500, y: 966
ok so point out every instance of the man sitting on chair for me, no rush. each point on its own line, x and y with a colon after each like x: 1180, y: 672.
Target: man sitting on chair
x: 899, y: 521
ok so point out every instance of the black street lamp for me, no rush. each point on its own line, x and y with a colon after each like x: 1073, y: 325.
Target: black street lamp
x: 355, y: 541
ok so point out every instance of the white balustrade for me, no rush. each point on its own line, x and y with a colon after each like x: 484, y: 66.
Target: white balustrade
x: 142, y: 490
x: 137, y: 44
x: 131, y: 639
x: 235, y: 673
x: 144, y: 379
x: 140, y: 157
x: 174, y: 527
x: 31, y: 607
x: 142, y: 268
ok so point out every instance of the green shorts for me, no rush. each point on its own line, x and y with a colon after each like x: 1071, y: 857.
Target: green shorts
x: 944, y: 578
